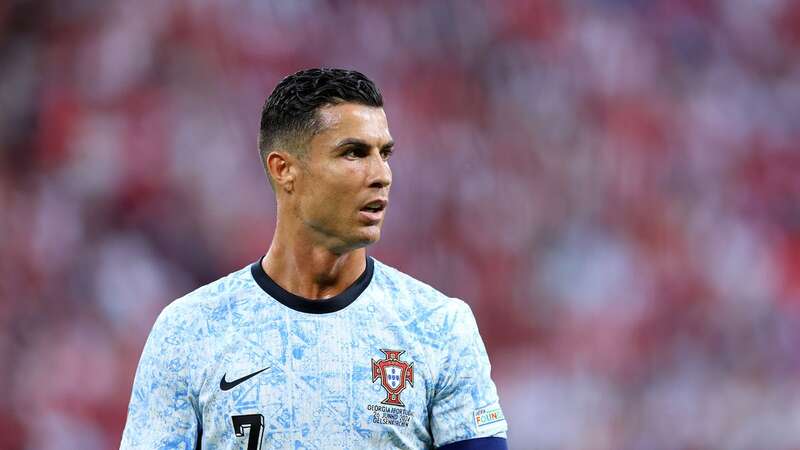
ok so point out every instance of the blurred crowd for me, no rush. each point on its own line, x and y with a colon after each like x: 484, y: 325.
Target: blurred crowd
x: 612, y: 185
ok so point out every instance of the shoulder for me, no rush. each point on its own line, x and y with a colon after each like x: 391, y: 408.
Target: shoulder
x: 397, y: 282
x: 419, y: 296
x: 206, y: 310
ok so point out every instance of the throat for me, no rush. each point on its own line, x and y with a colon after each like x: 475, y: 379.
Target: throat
x: 314, y: 275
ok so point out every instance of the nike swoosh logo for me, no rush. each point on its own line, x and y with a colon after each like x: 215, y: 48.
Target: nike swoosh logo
x: 228, y: 385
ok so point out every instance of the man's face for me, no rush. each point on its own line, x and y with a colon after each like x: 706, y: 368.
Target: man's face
x: 342, y: 189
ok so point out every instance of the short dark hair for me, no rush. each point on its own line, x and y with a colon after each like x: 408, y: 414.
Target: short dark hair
x: 289, y: 116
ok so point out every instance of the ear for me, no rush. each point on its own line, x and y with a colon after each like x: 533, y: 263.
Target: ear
x: 282, y: 168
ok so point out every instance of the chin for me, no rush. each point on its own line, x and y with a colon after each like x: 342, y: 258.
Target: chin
x: 368, y: 237
x: 357, y: 239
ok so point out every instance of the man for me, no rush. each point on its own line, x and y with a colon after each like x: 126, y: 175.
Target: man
x: 317, y: 345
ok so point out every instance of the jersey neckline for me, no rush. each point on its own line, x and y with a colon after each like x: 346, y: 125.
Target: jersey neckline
x: 302, y: 304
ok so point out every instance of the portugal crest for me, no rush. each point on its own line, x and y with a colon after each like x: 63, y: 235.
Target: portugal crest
x: 393, y: 374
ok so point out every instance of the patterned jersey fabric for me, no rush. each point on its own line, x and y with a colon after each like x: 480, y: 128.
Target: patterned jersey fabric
x: 243, y: 364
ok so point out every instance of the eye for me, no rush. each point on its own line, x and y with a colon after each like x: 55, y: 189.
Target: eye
x: 355, y: 152
x: 386, y: 153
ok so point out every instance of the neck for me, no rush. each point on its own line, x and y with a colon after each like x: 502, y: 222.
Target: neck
x: 309, y: 269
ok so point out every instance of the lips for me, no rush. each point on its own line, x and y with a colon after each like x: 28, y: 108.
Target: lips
x: 372, y: 212
x: 375, y: 206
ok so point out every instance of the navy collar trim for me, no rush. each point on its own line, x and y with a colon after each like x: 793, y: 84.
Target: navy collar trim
x: 302, y: 304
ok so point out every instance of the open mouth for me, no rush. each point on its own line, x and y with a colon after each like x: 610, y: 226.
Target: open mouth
x: 374, y: 207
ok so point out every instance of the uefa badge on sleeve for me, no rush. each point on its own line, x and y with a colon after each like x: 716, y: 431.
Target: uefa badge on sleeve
x: 489, y: 419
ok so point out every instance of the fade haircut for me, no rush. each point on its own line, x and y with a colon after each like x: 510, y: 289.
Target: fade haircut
x: 290, y: 117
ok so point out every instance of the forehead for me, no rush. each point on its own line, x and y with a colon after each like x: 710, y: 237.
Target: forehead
x: 352, y: 120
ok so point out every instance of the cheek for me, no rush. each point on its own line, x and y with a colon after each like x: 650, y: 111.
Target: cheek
x: 341, y: 181
x: 325, y: 199
x: 331, y: 189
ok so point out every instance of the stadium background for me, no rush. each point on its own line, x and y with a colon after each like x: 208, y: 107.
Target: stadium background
x: 614, y: 186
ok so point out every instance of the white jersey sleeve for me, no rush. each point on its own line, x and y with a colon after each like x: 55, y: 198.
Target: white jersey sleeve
x: 162, y: 412
x: 465, y: 403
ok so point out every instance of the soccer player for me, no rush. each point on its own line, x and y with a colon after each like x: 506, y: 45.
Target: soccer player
x: 317, y: 345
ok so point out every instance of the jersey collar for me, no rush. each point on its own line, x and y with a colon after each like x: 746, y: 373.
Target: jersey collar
x: 302, y: 304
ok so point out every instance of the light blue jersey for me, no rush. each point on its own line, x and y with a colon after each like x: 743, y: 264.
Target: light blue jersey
x: 243, y: 364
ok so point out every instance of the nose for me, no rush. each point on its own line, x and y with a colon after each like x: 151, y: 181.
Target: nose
x: 380, y: 174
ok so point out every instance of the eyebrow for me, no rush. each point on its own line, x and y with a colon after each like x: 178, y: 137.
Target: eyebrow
x: 361, y: 143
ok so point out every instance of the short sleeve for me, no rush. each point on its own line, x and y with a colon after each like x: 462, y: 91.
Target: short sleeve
x: 162, y: 413
x: 465, y: 403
